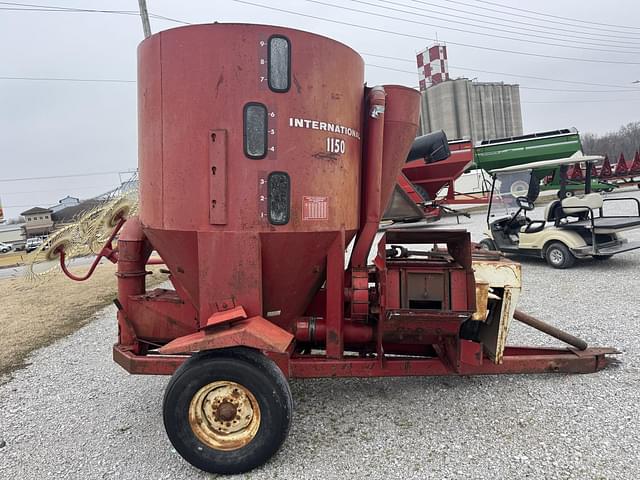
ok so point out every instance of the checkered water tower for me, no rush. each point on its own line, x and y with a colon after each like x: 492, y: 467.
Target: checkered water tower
x: 432, y: 66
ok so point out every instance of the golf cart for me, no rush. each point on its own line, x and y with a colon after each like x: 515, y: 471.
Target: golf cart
x: 571, y: 227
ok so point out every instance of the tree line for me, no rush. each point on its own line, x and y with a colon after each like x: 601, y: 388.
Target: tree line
x: 626, y: 140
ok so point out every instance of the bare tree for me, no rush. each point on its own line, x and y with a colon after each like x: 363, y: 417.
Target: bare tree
x: 626, y: 140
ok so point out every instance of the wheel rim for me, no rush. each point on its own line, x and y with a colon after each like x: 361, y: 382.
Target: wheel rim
x: 224, y: 415
x: 556, y: 256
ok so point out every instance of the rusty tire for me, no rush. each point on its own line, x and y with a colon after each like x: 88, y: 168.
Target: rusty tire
x: 227, y: 411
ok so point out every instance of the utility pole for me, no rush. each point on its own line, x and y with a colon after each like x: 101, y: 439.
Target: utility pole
x: 144, y: 14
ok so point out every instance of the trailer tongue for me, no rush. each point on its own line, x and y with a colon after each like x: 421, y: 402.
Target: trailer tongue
x: 262, y: 156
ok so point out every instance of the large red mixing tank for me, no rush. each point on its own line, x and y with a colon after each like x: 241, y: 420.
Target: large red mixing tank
x: 250, y: 161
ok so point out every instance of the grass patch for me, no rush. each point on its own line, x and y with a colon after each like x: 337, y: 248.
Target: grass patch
x: 36, y: 314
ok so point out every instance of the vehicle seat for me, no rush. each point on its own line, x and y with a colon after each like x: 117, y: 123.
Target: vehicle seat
x: 575, y: 206
x: 534, y: 226
x: 552, y: 210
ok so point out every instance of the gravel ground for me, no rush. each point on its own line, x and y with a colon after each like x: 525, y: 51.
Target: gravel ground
x: 74, y: 414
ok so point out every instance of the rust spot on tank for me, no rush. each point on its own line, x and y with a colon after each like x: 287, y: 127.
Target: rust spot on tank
x: 220, y: 80
x: 336, y: 96
x: 325, y: 156
x: 297, y: 84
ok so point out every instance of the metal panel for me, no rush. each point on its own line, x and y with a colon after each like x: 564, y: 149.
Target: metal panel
x: 150, y: 118
x: 218, y: 177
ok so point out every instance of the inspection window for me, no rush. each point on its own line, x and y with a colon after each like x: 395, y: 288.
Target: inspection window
x: 255, y: 130
x: 279, y: 64
x: 279, y: 195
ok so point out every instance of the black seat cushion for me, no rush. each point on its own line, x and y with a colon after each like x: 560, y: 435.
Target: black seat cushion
x: 534, y: 226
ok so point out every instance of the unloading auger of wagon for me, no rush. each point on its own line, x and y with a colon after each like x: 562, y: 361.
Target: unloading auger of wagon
x: 262, y: 157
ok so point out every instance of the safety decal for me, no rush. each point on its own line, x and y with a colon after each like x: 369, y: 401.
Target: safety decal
x: 315, y: 208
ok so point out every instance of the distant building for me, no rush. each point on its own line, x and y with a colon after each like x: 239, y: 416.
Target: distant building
x: 64, y: 203
x: 464, y: 108
x: 11, y: 233
x: 72, y: 211
x: 38, y: 222
x: 42, y: 221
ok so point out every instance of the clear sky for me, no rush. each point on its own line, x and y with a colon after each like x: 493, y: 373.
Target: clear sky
x: 50, y: 128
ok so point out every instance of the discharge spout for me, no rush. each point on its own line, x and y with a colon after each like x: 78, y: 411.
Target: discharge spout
x: 433, y: 147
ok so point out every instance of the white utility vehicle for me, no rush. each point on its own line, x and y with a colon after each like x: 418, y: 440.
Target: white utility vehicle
x: 572, y: 227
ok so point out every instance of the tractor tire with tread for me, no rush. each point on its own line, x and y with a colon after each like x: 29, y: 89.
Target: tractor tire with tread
x: 241, y: 380
x: 558, y: 255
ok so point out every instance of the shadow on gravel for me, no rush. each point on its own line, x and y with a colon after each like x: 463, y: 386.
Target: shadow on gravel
x: 616, y: 262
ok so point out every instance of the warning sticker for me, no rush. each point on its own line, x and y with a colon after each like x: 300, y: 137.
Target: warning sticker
x: 315, y: 208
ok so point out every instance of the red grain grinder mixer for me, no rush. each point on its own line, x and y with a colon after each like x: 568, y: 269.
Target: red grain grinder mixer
x: 262, y: 156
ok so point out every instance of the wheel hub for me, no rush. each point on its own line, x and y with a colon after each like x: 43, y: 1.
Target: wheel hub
x: 224, y: 415
x: 556, y: 256
x: 226, y: 412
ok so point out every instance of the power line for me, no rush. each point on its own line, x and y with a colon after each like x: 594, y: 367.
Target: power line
x: 577, y: 82
x: 169, y: 19
x: 550, y: 15
x: 569, y: 33
x: 49, y: 8
x: 39, y: 8
x: 422, y: 24
x: 493, y: 29
x: 60, y: 10
x: 584, y: 101
x: 522, y: 86
x: 56, y: 7
x: 329, y: 20
x: 95, y: 174
x: 17, y: 206
x: 419, y: 37
x: 376, y: 66
x: 501, y: 12
x: 61, y: 79
x: 620, y: 88
x: 61, y: 189
x: 610, y: 33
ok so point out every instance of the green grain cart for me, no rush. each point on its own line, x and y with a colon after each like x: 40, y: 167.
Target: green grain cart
x: 534, y: 147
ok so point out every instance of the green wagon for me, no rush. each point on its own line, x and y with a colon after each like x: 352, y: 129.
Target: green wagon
x: 534, y: 147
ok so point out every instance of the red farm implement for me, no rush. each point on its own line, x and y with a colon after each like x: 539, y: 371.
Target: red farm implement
x: 262, y: 157
x: 623, y: 173
x: 423, y: 177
